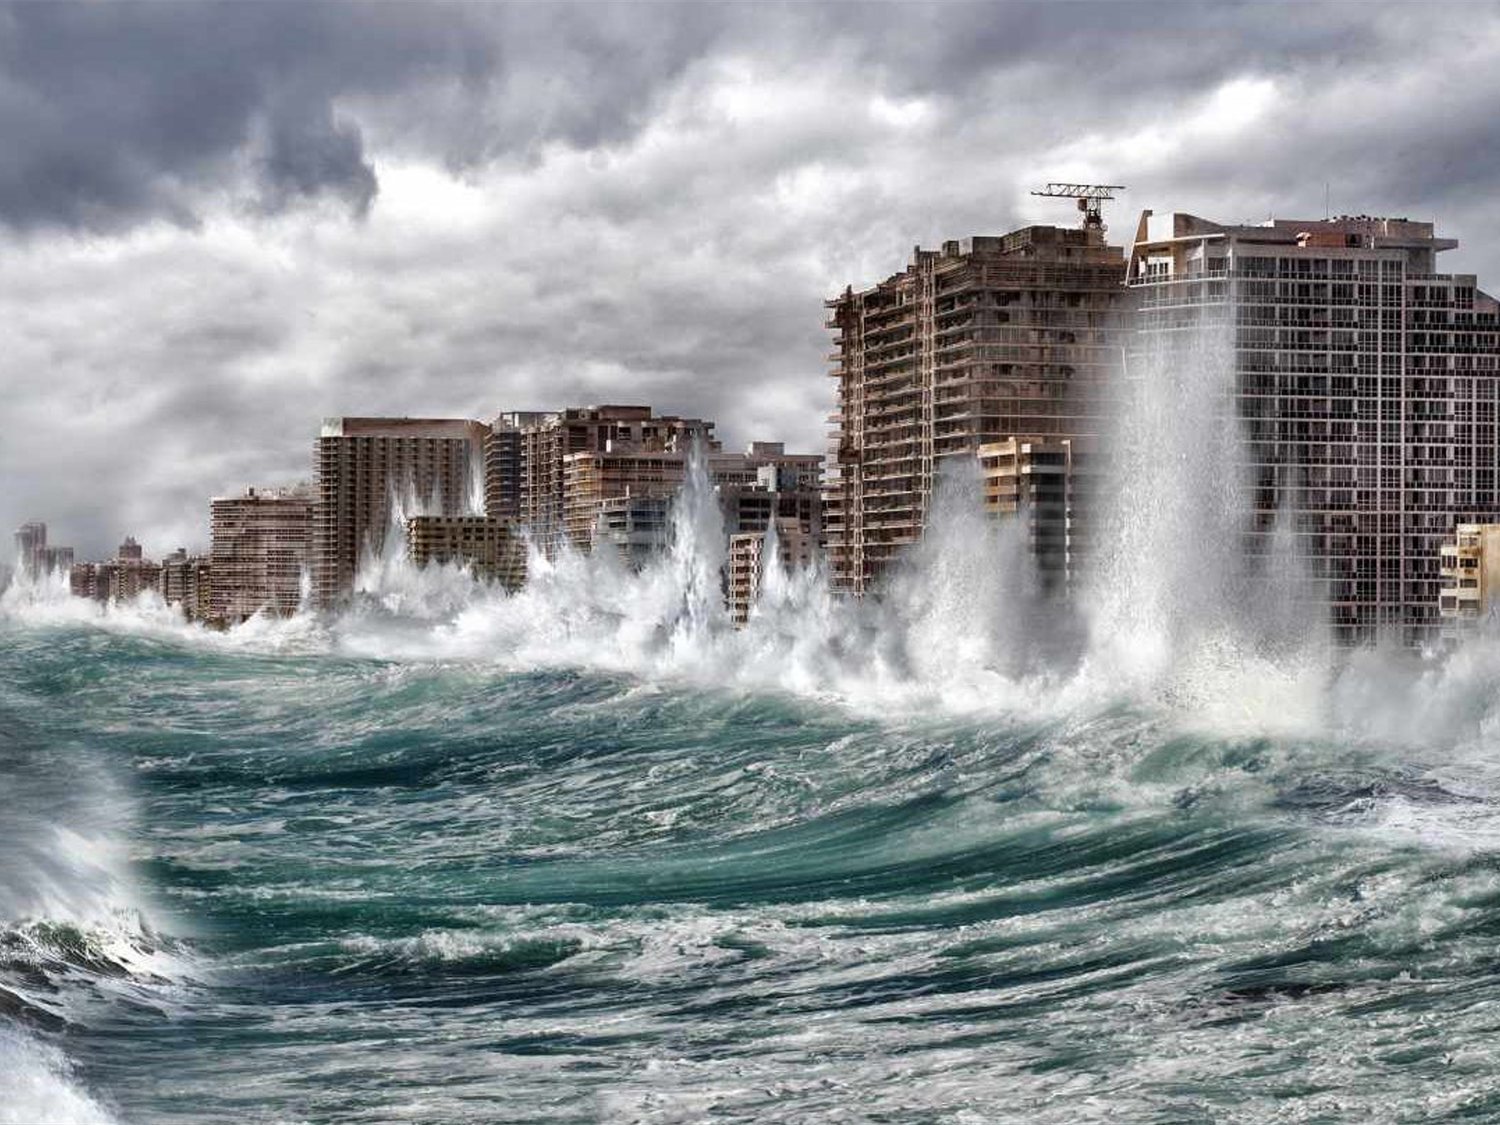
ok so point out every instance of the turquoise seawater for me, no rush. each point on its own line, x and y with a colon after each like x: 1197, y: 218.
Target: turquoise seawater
x: 277, y: 877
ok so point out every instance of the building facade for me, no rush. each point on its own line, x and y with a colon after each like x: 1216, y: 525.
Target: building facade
x: 1048, y: 486
x: 369, y: 468
x: 987, y: 339
x: 745, y: 569
x: 262, y: 547
x: 1367, y: 386
x: 491, y: 548
x: 546, y: 446
x: 1470, y: 567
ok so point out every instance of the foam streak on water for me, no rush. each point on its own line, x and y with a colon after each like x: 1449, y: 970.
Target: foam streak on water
x: 586, y: 852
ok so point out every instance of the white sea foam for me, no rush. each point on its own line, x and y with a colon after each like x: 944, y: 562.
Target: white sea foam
x: 39, y: 1089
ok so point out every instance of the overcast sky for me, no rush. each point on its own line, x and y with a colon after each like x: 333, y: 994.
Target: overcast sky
x: 219, y: 223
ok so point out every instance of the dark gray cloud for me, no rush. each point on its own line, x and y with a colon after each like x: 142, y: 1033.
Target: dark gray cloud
x: 221, y: 222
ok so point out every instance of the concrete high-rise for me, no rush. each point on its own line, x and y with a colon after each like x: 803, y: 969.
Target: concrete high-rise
x: 1367, y: 383
x: 262, y: 546
x: 985, y: 340
x: 367, y: 467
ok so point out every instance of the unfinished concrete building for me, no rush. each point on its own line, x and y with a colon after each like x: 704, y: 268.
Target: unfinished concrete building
x: 262, y: 545
x: 1048, y: 486
x: 492, y: 549
x: 367, y: 468
x: 987, y: 339
x: 1367, y: 385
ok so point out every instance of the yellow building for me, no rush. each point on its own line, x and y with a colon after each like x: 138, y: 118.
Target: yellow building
x: 1471, y: 577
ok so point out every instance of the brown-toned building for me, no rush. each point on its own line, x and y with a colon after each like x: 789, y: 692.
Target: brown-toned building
x: 493, y: 549
x: 545, y: 444
x: 365, y: 466
x: 747, y: 562
x: 987, y: 339
x: 262, y: 546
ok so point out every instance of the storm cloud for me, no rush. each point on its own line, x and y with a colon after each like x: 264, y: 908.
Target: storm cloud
x: 221, y: 222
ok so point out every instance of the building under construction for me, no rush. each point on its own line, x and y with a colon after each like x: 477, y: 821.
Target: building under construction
x: 985, y: 340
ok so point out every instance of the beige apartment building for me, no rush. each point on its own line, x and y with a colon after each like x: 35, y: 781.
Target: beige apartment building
x: 186, y: 581
x: 492, y: 548
x: 1470, y: 568
x: 1367, y: 384
x: 365, y: 465
x: 1048, y: 485
x: 633, y: 490
x: 262, y: 545
x: 988, y: 339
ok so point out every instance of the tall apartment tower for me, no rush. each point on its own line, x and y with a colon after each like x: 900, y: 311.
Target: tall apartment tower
x: 1367, y: 385
x: 367, y: 465
x: 502, y: 461
x: 31, y: 547
x: 988, y: 339
x: 262, y: 543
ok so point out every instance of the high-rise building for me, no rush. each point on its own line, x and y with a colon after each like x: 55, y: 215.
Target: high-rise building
x: 368, y: 468
x: 503, y: 472
x: 31, y: 547
x: 751, y: 487
x: 262, y: 546
x: 1367, y: 385
x: 128, y: 575
x: 987, y: 339
x: 186, y: 582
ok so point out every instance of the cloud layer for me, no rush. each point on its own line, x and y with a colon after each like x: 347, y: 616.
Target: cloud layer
x: 221, y: 222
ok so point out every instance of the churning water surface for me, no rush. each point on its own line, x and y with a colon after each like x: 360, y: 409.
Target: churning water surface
x: 588, y: 853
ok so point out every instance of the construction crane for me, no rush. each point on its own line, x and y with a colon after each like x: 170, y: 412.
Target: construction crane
x: 1090, y: 198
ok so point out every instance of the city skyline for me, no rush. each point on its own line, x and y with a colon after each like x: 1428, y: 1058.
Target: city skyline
x: 459, y: 237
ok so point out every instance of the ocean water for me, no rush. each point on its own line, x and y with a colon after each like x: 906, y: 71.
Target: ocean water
x: 588, y: 853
